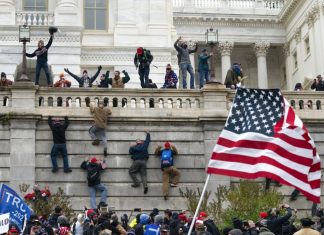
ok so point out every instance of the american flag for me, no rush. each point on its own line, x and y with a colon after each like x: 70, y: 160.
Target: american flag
x: 263, y: 137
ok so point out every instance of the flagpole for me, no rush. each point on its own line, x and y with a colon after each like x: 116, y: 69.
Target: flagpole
x: 199, y: 204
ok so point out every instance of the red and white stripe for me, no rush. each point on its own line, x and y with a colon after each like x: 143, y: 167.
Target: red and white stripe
x: 290, y: 157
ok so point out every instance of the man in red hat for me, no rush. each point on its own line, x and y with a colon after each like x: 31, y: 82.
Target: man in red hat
x: 93, y: 168
x: 209, y: 224
x: 167, y: 167
x: 142, y: 61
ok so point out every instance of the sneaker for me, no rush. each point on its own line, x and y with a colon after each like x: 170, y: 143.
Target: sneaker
x: 67, y: 170
x: 105, y: 153
x: 145, y: 190
x: 54, y: 169
x: 96, y: 142
x: 135, y: 185
x: 173, y: 185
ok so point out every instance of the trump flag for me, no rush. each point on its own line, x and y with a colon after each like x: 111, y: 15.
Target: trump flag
x: 263, y: 137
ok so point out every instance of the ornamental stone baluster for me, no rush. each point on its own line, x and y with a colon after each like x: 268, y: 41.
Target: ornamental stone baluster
x: 225, y: 49
x: 261, y: 49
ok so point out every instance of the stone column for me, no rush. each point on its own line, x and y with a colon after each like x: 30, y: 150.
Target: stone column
x: 261, y: 49
x: 225, y: 49
x: 7, y: 12
x: 286, y: 52
x: 68, y: 11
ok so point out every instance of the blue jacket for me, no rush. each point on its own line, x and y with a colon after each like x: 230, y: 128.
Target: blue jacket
x: 139, y: 151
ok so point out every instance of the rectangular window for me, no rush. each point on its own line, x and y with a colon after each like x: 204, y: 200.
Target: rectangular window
x: 35, y: 5
x: 307, y: 46
x: 95, y: 14
x: 295, y: 60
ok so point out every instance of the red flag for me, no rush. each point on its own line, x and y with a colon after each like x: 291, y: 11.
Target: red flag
x: 263, y: 137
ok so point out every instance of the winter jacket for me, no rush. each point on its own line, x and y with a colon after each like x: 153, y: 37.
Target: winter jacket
x: 118, y: 83
x: 170, y: 80
x: 139, y: 229
x: 231, y: 79
x: 203, y: 62
x: 62, y: 83
x: 89, y: 166
x: 84, y: 81
x: 159, y: 150
x: 100, y: 116
x: 5, y: 82
x: 318, y: 86
x: 211, y: 227
x: 41, y: 53
x: 184, y: 53
x: 275, y: 223
x: 58, y: 130
x: 139, y: 151
x: 143, y: 60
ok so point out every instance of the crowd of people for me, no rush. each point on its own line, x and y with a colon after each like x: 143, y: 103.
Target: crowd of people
x: 104, y: 221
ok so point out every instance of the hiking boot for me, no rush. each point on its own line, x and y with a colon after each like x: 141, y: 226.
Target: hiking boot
x: 173, y: 185
x: 105, y: 153
x: 69, y: 170
x: 96, y: 142
x: 145, y: 190
x: 135, y: 185
x: 54, y: 169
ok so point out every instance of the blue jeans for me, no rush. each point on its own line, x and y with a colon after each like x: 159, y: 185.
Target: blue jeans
x: 99, y: 133
x: 103, y: 195
x: 203, y: 74
x: 39, y: 66
x: 144, y: 74
x: 184, y: 68
x: 62, y: 149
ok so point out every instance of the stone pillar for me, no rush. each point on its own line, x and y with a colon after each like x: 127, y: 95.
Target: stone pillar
x: 7, y: 12
x: 261, y: 49
x: 286, y: 52
x: 225, y: 49
x: 192, y: 60
x: 68, y: 11
x: 23, y: 134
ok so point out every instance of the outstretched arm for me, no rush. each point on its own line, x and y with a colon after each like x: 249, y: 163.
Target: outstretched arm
x: 73, y: 75
x: 96, y: 75
x: 31, y: 55
x: 176, y: 44
x: 126, y: 78
x: 66, y: 122
x: 50, y: 121
x: 49, y: 42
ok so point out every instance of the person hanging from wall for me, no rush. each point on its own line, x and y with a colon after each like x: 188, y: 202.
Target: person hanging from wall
x: 58, y: 131
x: 4, y: 81
x: 185, y: 63
x: 117, y: 81
x: 62, y: 82
x: 84, y: 81
x: 98, y: 130
x: 41, y: 53
x: 142, y: 60
x: 234, y: 76
x: 170, y: 79
x: 167, y: 155
x: 203, y: 67
x: 139, y: 155
x: 93, y: 168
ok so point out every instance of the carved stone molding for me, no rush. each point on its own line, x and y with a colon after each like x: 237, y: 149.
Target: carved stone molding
x: 261, y: 48
x: 286, y: 49
x: 108, y: 56
x: 313, y: 15
x: 323, y: 8
x: 225, y: 48
x: 297, y: 34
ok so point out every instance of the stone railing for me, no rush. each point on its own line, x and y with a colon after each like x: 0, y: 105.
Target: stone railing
x: 35, y: 18
x: 266, y: 4
x: 150, y: 99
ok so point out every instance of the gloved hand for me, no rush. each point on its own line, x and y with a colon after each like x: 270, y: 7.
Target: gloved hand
x: 99, y: 67
x: 66, y: 70
x: 124, y: 71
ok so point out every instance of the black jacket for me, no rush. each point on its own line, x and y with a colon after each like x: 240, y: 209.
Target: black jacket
x: 139, y: 151
x: 89, y: 166
x: 41, y: 53
x: 143, y: 60
x: 81, y: 80
x: 318, y: 86
x: 275, y: 223
x: 58, y: 130
x: 211, y: 227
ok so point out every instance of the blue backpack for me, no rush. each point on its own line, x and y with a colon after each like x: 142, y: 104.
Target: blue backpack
x: 166, y: 158
x: 152, y: 229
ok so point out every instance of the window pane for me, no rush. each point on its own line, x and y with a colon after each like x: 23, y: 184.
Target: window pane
x: 29, y: 3
x: 101, y: 3
x: 41, y: 3
x: 101, y: 19
x: 29, y: 8
x: 89, y: 3
x: 89, y: 19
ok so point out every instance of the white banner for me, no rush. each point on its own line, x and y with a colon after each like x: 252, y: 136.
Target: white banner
x: 4, y: 223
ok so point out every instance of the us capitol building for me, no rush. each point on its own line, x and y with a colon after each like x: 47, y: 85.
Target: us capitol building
x: 278, y: 42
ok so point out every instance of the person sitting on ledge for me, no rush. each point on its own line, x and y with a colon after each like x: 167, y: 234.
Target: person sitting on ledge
x: 62, y: 82
x: 117, y: 81
x: 234, y: 76
x: 4, y: 81
x: 171, y: 79
x: 84, y: 81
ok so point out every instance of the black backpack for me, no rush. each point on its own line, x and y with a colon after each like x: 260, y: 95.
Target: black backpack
x: 93, y: 175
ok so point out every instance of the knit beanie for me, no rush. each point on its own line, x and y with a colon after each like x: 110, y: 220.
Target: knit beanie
x: 158, y: 219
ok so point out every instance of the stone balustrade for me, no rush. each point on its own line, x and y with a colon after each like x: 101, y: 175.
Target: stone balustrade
x: 266, y: 4
x: 148, y: 99
x: 34, y: 18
